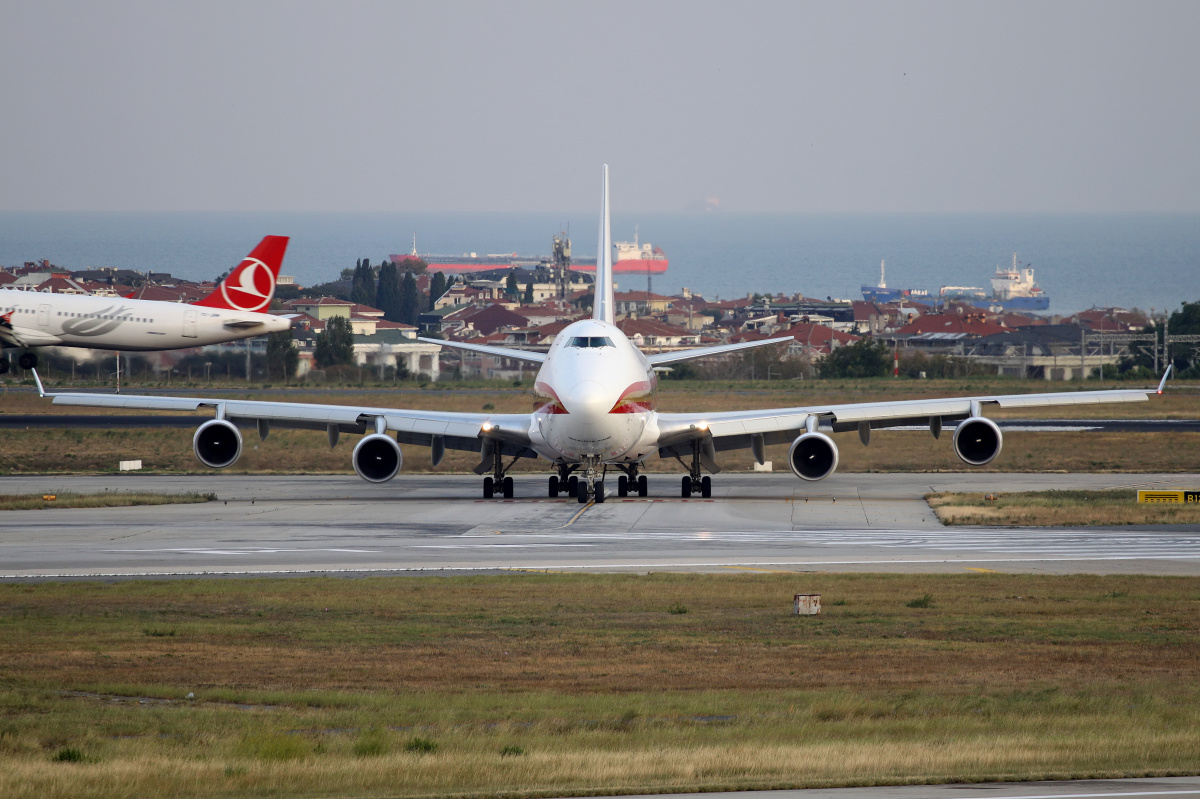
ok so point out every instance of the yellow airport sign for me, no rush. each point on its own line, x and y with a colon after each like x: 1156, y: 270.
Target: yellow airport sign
x: 1170, y: 495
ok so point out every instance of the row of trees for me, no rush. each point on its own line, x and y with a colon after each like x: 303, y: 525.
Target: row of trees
x: 393, y: 289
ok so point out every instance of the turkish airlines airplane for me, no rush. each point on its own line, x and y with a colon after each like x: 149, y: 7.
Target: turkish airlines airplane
x: 234, y: 310
x: 596, y: 415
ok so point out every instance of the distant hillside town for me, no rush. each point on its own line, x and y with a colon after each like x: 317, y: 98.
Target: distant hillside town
x: 387, y: 305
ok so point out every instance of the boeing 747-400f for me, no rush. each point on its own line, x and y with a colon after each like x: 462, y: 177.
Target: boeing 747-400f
x: 234, y: 310
x: 596, y: 415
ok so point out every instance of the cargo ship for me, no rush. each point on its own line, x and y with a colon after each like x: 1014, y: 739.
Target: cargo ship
x: 1013, y: 289
x: 882, y: 293
x: 629, y: 257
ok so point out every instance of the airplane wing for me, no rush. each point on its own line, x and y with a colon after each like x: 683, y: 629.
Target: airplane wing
x: 664, y: 358
x: 451, y: 430
x: 14, y: 336
x: 500, y: 352
x: 683, y: 433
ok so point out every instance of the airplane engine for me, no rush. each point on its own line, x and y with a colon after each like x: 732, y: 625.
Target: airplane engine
x: 977, y: 441
x: 377, y: 458
x: 217, y: 443
x: 813, y: 456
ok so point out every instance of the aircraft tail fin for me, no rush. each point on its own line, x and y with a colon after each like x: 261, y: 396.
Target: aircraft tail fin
x: 251, y: 285
x: 602, y: 305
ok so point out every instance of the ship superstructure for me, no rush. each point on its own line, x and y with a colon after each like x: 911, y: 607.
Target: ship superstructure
x: 630, y: 257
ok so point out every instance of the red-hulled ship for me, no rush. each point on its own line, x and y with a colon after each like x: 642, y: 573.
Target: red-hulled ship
x: 631, y: 256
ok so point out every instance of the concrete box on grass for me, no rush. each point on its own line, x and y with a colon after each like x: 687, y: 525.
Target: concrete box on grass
x: 807, y: 605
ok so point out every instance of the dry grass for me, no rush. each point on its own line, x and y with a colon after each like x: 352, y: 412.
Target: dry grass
x: 109, y: 499
x: 318, y: 687
x: 39, y: 451
x: 1058, y: 508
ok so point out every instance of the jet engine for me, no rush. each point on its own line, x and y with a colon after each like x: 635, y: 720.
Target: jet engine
x: 977, y: 441
x: 813, y: 456
x: 217, y: 443
x: 377, y: 458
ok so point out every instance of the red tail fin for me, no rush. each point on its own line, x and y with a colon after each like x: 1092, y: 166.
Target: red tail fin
x: 251, y: 285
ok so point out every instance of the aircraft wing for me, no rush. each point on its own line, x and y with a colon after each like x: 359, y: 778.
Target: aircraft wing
x: 679, y: 433
x: 499, y: 352
x: 664, y: 358
x: 14, y: 336
x: 460, y: 431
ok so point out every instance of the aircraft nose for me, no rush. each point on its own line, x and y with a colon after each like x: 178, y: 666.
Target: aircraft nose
x: 586, y: 398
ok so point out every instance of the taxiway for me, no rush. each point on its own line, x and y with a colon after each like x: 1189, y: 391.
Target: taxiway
x: 340, y: 524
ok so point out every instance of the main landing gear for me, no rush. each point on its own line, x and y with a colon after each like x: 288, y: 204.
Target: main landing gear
x: 28, y: 360
x: 564, y: 481
x: 693, y: 483
x: 3, y: 366
x: 498, y: 483
x: 631, y: 482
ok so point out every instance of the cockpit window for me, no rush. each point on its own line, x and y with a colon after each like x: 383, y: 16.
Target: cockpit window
x: 590, y: 341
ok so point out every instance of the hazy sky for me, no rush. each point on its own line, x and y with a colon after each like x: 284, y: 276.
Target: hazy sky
x: 491, y: 106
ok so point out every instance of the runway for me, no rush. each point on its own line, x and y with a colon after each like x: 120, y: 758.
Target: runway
x: 343, y: 525
x: 1143, y: 788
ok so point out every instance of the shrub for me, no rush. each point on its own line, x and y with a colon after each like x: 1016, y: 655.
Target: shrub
x: 421, y: 745
x: 923, y: 602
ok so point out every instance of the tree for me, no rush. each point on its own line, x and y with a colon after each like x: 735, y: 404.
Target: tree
x: 410, y: 300
x: 282, y: 355
x: 510, y: 286
x: 528, y: 298
x: 864, y: 358
x: 362, y: 289
x: 387, y: 298
x: 335, y: 344
x: 437, y: 287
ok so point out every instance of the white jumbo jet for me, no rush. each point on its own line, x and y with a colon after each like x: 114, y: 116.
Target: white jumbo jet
x: 595, y: 414
x: 234, y: 310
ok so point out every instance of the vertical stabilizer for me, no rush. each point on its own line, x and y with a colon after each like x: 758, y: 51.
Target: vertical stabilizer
x: 602, y: 305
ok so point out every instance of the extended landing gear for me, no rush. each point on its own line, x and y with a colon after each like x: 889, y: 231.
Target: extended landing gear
x: 631, y: 482
x: 3, y: 366
x: 28, y: 360
x: 590, y: 487
x: 564, y: 481
x: 694, y: 483
x: 498, y: 483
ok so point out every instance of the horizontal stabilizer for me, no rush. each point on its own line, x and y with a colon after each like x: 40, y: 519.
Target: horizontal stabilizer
x: 499, y: 352
x: 664, y: 358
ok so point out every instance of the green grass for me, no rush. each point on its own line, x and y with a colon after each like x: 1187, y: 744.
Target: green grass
x: 1057, y: 508
x: 563, y: 684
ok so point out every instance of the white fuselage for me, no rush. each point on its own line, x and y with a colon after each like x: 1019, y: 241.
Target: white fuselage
x: 595, y: 402
x: 116, y: 323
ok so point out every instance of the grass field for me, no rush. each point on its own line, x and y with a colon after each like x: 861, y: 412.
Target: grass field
x: 1057, y: 508
x: 169, y: 450
x: 109, y: 499
x: 529, y: 685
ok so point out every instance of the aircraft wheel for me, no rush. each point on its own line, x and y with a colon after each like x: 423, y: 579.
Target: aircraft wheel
x: 706, y: 487
x: 508, y: 488
x: 488, y: 487
x: 687, y: 487
x: 3, y: 365
x: 622, y: 486
x: 554, y: 485
x: 28, y: 360
x: 643, y: 486
x: 573, y: 487
x: 599, y: 495
x: 581, y: 494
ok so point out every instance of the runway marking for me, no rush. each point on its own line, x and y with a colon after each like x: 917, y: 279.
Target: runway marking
x: 1092, y: 795
x: 974, y: 569
x: 242, y: 551
x: 577, y: 515
x: 490, y: 546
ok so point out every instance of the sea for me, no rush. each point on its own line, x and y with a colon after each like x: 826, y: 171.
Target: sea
x: 1146, y: 261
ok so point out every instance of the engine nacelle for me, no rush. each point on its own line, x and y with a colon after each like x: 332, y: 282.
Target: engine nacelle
x: 377, y: 458
x: 977, y: 441
x: 813, y: 456
x: 217, y: 443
